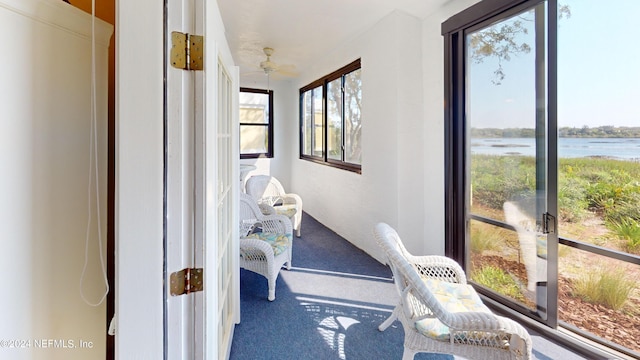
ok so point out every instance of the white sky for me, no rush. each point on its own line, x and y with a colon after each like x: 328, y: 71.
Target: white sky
x: 598, y: 72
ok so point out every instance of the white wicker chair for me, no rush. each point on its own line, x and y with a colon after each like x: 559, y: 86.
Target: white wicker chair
x: 427, y: 266
x: 473, y: 335
x: 268, y: 190
x: 258, y: 255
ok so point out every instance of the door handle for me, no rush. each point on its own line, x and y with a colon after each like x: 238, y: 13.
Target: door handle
x: 548, y: 223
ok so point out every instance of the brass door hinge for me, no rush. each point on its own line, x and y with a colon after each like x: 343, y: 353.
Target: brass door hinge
x: 186, y: 281
x: 187, y: 51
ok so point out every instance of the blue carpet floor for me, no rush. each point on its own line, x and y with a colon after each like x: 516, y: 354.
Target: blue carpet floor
x: 328, y: 306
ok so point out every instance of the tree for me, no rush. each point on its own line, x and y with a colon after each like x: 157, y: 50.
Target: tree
x: 505, y: 39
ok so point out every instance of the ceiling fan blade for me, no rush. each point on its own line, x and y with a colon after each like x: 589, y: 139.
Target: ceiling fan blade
x: 288, y: 70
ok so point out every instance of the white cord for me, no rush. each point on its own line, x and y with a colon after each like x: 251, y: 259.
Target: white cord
x: 93, y: 150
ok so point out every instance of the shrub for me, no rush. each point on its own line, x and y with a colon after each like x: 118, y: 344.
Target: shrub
x: 628, y: 208
x: 629, y: 231
x: 608, y: 287
x: 498, y: 280
x: 572, y: 203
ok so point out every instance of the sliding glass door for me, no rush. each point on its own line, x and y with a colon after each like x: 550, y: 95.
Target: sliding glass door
x: 507, y: 157
x: 543, y: 162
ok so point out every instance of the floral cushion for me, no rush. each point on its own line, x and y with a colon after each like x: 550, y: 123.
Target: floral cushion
x: 286, y: 210
x: 279, y: 242
x: 454, y: 298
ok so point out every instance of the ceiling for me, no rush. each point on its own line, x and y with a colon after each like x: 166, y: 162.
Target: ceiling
x: 301, y: 30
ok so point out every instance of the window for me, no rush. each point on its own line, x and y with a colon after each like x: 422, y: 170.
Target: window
x: 256, y: 123
x: 330, y: 119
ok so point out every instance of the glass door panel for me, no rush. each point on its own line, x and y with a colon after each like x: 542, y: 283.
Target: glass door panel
x: 599, y: 171
x: 506, y: 158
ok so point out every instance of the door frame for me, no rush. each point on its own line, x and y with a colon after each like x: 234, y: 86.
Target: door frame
x: 138, y: 227
x: 139, y: 180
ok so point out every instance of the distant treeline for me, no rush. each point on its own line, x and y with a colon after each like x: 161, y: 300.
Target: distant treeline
x: 564, y: 132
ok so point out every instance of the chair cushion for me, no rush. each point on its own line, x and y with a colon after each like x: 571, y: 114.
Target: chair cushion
x: 541, y: 247
x: 286, y: 210
x: 279, y: 242
x: 454, y: 298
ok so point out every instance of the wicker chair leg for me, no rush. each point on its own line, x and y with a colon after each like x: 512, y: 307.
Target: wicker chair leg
x: 393, y: 317
x: 272, y: 290
x: 408, y: 354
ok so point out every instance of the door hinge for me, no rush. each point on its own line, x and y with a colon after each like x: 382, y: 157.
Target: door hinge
x: 187, y: 51
x: 186, y: 281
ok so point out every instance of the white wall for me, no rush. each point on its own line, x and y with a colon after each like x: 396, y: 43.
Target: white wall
x: 45, y: 122
x: 349, y: 203
x: 402, y: 180
x: 433, y: 83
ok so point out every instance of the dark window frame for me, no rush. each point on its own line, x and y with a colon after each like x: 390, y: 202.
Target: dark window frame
x: 323, y: 82
x: 453, y: 31
x: 269, y: 125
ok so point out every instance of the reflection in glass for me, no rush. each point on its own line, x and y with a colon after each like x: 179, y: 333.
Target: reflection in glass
x: 307, y: 125
x: 496, y: 263
x: 502, y: 92
x: 334, y: 119
x: 317, y: 119
x: 353, y: 124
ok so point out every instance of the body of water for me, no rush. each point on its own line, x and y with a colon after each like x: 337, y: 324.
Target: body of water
x: 615, y: 148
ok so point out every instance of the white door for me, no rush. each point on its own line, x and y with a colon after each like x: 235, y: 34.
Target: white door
x: 222, y: 156
x: 201, y: 164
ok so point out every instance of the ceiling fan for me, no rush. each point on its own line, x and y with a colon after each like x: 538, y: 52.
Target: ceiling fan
x: 269, y: 68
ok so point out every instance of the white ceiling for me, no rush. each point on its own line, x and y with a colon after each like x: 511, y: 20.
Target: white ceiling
x: 300, y: 30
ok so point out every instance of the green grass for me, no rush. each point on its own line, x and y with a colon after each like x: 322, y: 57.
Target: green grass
x: 497, y: 280
x: 604, y: 286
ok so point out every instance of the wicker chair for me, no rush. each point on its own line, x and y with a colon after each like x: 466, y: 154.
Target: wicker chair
x: 265, y: 242
x: 268, y: 190
x: 435, y: 320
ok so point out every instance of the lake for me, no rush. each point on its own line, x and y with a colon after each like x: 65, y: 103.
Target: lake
x: 617, y: 148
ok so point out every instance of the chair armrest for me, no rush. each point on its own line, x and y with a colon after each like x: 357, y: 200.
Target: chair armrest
x: 266, y: 209
x: 290, y: 198
x: 438, y: 267
x: 458, y: 321
x: 256, y: 249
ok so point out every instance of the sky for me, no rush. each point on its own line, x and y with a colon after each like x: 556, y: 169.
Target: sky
x: 598, y: 72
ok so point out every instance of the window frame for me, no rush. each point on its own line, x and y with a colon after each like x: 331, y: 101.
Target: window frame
x: 269, y: 125
x: 324, y: 158
x: 456, y: 141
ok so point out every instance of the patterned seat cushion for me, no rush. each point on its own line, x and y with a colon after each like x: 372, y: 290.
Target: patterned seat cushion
x: 454, y: 298
x: 286, y: 210
x: 279, y: 242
